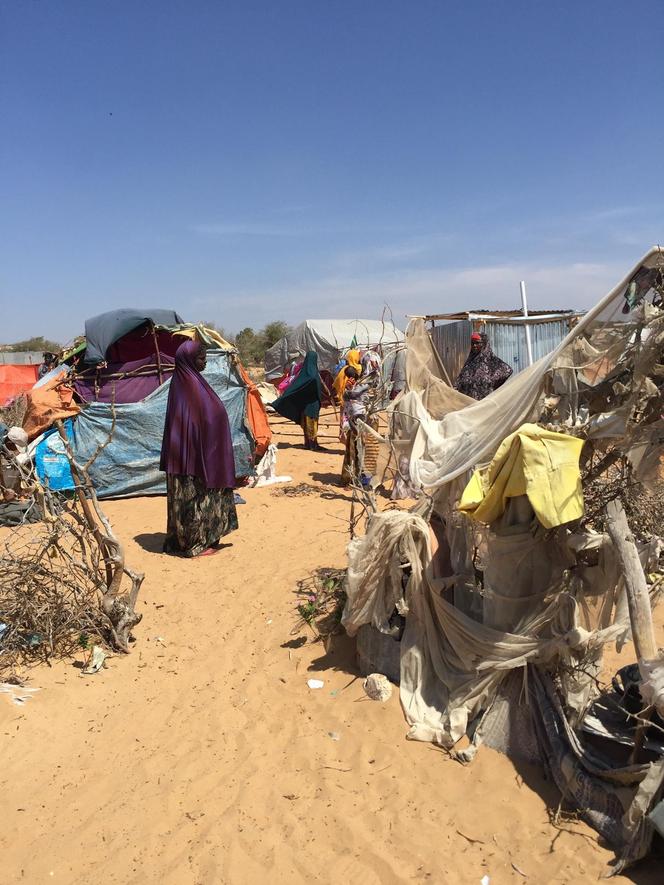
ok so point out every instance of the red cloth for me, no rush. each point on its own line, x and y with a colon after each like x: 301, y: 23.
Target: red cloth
x: 15, y: 380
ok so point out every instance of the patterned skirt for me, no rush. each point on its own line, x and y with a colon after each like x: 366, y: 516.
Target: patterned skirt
x: 310, y: 428
x: 197, y: 516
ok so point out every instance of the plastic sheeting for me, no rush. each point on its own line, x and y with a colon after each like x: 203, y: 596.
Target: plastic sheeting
x: 514, y: 601
x: 329, y: 339
x: 51, y: 462
x: 106, y: 328
x: 129, y: 464
x: 47, y: 403
x: 464, y: 438
x: 15, y: 380
x: 452, y: 665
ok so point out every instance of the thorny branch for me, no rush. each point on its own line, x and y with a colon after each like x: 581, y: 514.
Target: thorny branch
x: 61, y: 572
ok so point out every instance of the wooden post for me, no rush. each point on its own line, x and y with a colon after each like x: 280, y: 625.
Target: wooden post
x: 157, y: 354
x: 638, y: 602
x: 636, y: 588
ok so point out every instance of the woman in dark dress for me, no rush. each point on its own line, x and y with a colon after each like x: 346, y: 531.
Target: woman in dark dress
x: 483, y: 372
x: 197, y: 457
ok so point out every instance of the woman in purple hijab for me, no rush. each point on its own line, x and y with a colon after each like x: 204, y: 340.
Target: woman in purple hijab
x: 197, y: 457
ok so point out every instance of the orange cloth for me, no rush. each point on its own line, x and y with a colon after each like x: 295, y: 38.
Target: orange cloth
x: 15, y: 380
x: 353, y: 360
x: 47, y: 404
x: 256, y: 415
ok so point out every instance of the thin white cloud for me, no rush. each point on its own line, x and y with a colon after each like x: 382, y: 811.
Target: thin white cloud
x: 600, y: 216
x: 245, y: 229
x: 374, y: 257
x: 576, y: 285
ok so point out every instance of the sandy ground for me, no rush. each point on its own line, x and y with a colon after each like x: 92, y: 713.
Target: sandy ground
x: 203, y: 757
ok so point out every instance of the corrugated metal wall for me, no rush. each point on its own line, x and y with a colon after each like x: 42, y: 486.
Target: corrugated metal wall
x: 508, y: 341
x: 452, y: 341
x: 20, y: 358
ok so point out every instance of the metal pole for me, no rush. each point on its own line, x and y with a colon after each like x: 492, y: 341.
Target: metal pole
x: 524, y: 304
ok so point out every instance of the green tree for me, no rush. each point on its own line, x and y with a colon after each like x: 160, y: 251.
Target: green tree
x: 252, y: 345
x: 38, y: 343
x: 273, y: 332
x: 249, y: 346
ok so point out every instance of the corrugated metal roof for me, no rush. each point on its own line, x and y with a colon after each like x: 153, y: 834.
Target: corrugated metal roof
x: 508, y: 315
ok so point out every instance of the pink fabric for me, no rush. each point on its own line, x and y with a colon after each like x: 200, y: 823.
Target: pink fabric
x: 292, y: 375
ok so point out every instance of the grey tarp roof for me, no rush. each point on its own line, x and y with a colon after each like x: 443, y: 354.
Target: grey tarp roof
x: 106, y: 328
x: 329, y: 338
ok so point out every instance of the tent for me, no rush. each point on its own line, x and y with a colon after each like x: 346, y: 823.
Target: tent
x: 502, y: 585
x: 121, y: 375
x: 330, y: 339
x: 15, y: 380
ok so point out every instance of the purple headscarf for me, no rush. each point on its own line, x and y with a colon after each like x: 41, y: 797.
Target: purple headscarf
x: 197, y: 437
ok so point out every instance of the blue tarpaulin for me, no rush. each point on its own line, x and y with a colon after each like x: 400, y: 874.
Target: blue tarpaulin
x: 129, y: 465
x: 51, y: 463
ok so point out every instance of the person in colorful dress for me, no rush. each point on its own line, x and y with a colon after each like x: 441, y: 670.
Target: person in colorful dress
x: 301, y: 401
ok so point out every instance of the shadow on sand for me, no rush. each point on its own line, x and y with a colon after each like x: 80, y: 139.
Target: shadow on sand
x: 152, y: 542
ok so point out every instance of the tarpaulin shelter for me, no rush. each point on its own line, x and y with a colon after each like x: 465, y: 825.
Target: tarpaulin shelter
x: 500, y: 624
x: 330, y: 339
x: 15, y: 380
x: 121, y: 377
x: 102, y: 331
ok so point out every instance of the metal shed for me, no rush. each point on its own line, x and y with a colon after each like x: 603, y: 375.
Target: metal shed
x: 20, y: 357
x: 506, y: 332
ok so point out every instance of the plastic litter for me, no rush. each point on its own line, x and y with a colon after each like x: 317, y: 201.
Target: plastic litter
x: 377, y: 687
x: 334, y: 735
x: 656, y: 817
x: 652, y: 686
x: 96, y: 661
x: 266, y: 474
x: 315, y: 683
x: 17, y: 693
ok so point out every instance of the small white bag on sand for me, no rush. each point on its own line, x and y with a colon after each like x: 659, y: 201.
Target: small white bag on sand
x: 266, y: 470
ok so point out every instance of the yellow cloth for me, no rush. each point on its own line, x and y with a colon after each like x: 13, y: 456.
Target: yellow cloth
x: 535, y: 462
x: 212, y: 334
x: 352, y: 359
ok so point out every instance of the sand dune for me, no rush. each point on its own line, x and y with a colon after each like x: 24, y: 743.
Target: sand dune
x: 203, y: 757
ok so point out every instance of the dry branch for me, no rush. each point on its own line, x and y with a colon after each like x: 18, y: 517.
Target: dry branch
x: 61, y: 577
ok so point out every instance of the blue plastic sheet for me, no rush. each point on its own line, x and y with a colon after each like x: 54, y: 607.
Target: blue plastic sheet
x: 51, y: 462
x: 129, y: 465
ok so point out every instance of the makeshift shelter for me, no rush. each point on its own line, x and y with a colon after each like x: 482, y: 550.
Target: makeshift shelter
x: 120, y: 376
x: 497, y: 592
x: 15, y: 380
x: 330, y: 339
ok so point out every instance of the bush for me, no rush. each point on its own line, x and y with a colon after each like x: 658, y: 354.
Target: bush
x: 252, y: 345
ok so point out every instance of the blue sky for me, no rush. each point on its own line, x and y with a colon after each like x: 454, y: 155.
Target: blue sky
x: 249, y: 161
